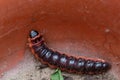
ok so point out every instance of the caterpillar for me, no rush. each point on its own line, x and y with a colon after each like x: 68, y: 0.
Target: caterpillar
x: 55, y: 59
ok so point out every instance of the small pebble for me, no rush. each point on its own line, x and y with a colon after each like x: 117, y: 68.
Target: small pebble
x: 41, y: 66
x: 44, y: 79
x: 67, y: 77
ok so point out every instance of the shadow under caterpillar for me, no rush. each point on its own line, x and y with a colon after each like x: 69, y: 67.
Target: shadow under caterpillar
x: 62, y: 61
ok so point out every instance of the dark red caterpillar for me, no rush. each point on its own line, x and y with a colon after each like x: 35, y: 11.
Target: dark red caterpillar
x: 62, y: 61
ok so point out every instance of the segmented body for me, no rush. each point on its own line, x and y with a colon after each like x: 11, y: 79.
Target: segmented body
x: 67, y: 63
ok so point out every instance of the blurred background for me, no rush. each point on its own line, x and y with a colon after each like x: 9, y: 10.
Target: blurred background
x: 88, y: 28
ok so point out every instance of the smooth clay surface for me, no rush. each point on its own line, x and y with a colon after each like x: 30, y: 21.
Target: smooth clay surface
x: 89, y: 28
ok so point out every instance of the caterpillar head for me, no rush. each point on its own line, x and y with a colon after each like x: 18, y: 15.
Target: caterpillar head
x: 33, y: 33
x: 35, y: 37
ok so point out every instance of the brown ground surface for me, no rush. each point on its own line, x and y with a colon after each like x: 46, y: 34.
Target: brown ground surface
x: 30, y: 69
x: 80, y: 27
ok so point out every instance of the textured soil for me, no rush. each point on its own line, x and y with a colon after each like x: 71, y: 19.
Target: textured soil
x: 32, y: 69
x: 89, y: 28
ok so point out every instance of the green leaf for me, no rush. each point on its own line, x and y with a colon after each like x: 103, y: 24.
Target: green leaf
x: 57, y: 75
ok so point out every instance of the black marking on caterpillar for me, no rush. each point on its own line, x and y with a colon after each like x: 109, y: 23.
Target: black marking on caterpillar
x: 63, y: 61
